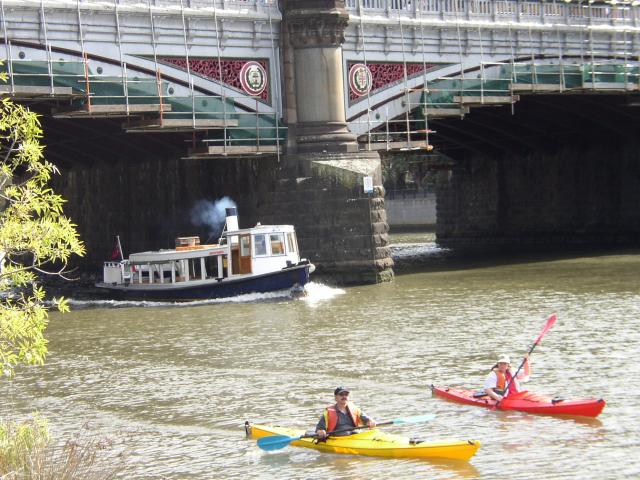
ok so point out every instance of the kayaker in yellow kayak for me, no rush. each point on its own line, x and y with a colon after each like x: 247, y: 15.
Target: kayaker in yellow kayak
x: 502, y: 375
x: 342, y: 415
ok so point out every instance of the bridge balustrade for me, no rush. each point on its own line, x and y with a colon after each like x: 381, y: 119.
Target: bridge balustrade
x: 195, y: 4
x: 503, y: 9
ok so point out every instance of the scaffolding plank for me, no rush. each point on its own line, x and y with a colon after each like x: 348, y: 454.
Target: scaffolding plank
x: 479, y: 100
x: 418, y: 89
x: 536, y: 87
x: 391, y: 137
x: 220, y: 151
x: 396, y: 145
x: 30, y: 92
x: 119, y: 110
x: 611, y: 86
x: 177, y: 125
x: 445, y: 112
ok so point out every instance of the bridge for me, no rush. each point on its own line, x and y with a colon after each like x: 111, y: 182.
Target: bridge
x: 288, y: 106
x: 218, y: 69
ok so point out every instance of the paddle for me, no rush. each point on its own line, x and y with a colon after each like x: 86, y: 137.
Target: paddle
x: 547, y: 326
x: 276, y: 442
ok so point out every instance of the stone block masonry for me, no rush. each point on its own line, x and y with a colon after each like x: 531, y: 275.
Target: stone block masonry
x: 148, y: 203
x: 578, y: 195
x: 341, y: 229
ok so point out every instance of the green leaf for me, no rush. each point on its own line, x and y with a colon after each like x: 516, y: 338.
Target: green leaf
x: 34, y: 232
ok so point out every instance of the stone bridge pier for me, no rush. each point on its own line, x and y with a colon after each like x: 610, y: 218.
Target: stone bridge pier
x: 342, y: 227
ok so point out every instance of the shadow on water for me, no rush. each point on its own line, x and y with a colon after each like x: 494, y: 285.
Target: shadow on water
x: 417, y: 252
x: 459, y: 469
x: 80, y: 302
x: 507, y: 417
x: 588, y: 421
x: 351, y: 467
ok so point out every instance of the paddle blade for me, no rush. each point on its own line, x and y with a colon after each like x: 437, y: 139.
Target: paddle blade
x: 275, y: 442
x: 547, y: 326
x: 416, y: 419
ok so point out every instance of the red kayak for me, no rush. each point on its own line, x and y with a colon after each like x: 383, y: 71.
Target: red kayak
x: 525, y: 402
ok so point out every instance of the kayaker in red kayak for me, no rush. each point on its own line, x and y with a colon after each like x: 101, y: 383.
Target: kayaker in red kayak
x: 342, y: 415
x: 501, y: 378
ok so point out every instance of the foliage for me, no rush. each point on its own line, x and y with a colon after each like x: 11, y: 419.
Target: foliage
x: 27, y: 452
x: 19, y: 440
x: 35, y: 238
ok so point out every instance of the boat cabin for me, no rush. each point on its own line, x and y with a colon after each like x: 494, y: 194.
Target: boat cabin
x: 263, y: 249
x: 248, y: 252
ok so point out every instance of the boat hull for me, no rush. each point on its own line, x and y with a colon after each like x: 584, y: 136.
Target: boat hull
x: 376, y: 444
x: 525, y: 402
x: 287, y: 278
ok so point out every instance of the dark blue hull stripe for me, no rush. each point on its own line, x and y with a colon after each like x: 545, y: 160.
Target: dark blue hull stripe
x: 281, y: 280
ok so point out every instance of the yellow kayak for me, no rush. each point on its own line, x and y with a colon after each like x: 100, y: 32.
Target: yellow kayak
x: 374, y: 443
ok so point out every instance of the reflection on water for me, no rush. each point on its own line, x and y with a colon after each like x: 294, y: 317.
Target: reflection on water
x: 182, y: 380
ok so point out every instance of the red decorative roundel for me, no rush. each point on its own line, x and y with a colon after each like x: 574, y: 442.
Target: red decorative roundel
x: 360, y: 79
x: 253, y: 78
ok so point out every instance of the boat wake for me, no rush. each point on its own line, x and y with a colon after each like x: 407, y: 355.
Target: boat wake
x: 246, y: 298
x: 312, y: 293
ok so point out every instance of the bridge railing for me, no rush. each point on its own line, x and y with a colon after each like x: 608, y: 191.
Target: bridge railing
x: 505, y: 9
x: 146, y: 101
x: 501, y: 80
x: 196, y: 4
x: 499, y: 84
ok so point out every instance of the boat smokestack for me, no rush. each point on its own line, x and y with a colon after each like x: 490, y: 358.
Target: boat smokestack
x: 232, y: 218
x: 232, y: 223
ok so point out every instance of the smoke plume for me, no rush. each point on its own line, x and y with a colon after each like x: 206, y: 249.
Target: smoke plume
x: 211, y: 214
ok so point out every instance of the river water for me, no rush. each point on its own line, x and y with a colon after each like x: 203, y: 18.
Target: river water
x: 178, y: 382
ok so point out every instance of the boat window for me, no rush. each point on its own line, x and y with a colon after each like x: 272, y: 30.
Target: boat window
x: 245, y: 246
x: 260, y: 243
x: 277, y: 243
x: 291, y: 242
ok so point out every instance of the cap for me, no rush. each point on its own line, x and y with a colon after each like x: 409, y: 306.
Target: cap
x: 504, y: 359
x: 340, y: 390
